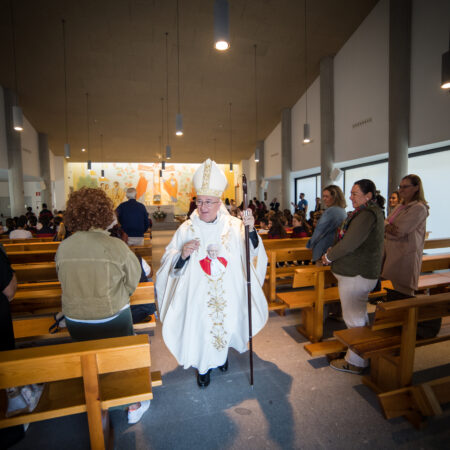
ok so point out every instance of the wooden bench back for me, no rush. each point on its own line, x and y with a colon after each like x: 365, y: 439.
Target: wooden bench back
x: 275, y: 244
x: 65, y: 361
x: 30, y: 246
x: 289, y: 254
x: 46, y: 298
x: 309, y: 276
x: 437, y: 243
x: 435, y: 262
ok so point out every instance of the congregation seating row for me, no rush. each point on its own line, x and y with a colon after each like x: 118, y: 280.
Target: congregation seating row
x: 390, y: 343
x: 46, y: 251
x: 4, y: 238
x: 83, y: 377
x: 292, y: 250
x: 34, y: 305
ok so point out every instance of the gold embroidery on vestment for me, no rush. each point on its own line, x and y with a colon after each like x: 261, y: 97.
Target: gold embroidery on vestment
x: 216, y: 305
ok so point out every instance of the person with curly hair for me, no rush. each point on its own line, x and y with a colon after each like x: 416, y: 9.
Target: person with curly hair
x: 98, y: 274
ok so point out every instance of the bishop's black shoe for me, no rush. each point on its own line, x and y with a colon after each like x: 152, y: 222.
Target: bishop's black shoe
x: 224, y: 367
x: 203, y: 379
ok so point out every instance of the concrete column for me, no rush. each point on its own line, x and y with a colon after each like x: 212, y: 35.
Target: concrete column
x: 14, y: 148
x: 286, y: 158
x: 326, y: 120
x: 44, y: 162
x: 399, y: 90
x: 260, y: 172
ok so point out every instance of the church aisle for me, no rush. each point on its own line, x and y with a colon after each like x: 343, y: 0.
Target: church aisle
x: 297, y: 402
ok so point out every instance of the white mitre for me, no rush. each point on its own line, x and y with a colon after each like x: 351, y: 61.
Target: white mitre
x: 209, y: 179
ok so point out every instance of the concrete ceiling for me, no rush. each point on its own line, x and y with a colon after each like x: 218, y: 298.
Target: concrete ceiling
x: 116, y: 53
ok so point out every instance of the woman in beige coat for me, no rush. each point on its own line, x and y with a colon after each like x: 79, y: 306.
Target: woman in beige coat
x: 405, y: 236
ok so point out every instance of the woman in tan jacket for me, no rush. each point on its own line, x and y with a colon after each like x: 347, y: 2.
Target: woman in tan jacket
x: 405, y: 236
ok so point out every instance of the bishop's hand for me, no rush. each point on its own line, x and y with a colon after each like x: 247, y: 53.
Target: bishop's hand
x: 248, y: 219
x: 190, y: 248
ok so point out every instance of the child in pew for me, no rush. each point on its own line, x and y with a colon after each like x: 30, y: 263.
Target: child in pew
x: 138, y: 312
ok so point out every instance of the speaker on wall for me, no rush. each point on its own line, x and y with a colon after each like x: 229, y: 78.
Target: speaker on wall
x: 336, y: 174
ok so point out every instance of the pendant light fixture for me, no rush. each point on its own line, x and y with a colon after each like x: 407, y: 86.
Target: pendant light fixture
x: 306, y: 130
x: 16, y: 109
x: 168, y: 148
x: 101, y: 157
x: 256, y: 114
x: 179, y: 116
x: 231, y: 143
x: 66, y: 145
x: 88, y: 148
x: 221, y: 25
x: 162, y: 133
x: 445, y: 73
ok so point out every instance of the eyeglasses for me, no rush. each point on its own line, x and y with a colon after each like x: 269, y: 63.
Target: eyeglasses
x: 404, y: 186
x: 206, y: 203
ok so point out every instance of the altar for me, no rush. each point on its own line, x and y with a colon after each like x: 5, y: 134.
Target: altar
x: 162, y: 223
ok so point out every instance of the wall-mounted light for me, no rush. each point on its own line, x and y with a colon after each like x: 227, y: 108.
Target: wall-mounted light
x: 221, y: 25
x: 89, y: 165
x: 17, y: 118
x: 257, y: 154
x: 231, y: 167
x: 160, y: 173
x: 445, y: 80
x: 168, y: 152
x: 163, y: 165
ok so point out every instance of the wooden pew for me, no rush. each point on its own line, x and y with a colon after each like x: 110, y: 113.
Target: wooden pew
x: 430, y: 263
x: 5, y: 240
x: 289, y: 243
x: 287, y: 271
x: 31, y: 256
x: 391, y: 342
x: 25, y: 246
x: 43, y: 271
x: 437, y: 243
x: 312, y: 301
x: 83, y: 377
x: 33, y: 308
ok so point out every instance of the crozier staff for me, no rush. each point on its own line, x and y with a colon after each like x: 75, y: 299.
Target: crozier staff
x: 201, y: 285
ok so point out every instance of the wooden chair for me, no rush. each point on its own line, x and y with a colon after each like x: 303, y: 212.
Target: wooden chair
x: 83, y: 377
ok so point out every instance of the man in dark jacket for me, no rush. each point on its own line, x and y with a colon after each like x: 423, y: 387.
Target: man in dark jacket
x: 133, y: 218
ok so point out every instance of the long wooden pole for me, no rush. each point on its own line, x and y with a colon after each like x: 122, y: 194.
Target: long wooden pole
x: 249, y: 286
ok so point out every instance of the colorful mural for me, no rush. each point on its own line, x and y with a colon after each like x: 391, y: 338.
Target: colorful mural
x: 173, y: 188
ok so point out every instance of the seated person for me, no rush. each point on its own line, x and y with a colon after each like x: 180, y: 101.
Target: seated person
x: 276, y: 229
x: 98, y: 274
x: 45, y: 230
x: 20, y: 232
x: 301, y: 227
x: 32, y: 222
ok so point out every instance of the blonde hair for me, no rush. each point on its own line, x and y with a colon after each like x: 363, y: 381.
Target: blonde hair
x: 337, y: 194
x: 416, y: 181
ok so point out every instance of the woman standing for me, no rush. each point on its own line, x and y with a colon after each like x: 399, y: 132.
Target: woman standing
x: 356, y: 262
x: 98, y: 274
x: 333, y: 216
x: 405, y: 236
x: 394, y: 200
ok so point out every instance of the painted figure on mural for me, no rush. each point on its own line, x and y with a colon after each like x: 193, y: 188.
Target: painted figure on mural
x: 141, y: 187
x: 117, y: 194
x: 171, y: 187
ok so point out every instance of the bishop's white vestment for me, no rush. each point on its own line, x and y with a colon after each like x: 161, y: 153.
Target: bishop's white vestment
x: 203, y: 315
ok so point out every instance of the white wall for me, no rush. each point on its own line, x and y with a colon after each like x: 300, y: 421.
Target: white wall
x: 30, y: 151
x: 361, y: 87
x: 273, y: 190
x: 430, y: 105
x: 305, y: 156
x: 272, y: 153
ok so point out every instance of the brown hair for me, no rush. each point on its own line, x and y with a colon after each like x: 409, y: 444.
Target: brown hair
x: 88, y: 208
x: 337, y: 194
x: 416, y: 181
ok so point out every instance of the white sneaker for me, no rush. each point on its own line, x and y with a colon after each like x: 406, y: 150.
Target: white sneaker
x: 135, y: 415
